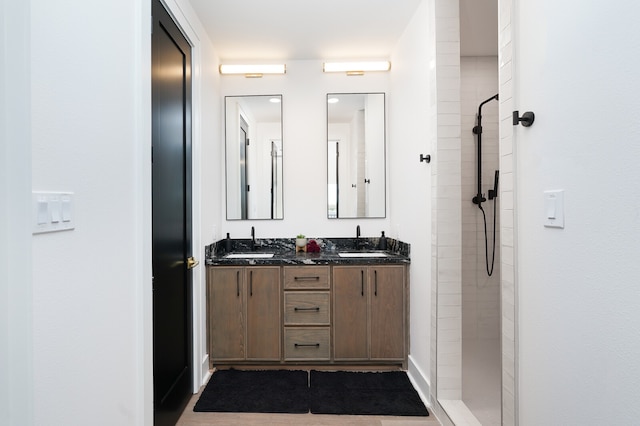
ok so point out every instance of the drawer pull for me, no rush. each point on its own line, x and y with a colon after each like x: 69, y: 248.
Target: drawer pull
x: 315, y: 309
x: 306, y: 278
x: 300, y: 345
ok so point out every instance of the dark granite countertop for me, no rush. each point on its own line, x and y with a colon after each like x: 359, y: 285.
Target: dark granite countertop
x: 284, y: 253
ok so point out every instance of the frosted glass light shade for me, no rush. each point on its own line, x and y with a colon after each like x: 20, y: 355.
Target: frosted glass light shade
x: 356, y: 66
x: 253, y: 69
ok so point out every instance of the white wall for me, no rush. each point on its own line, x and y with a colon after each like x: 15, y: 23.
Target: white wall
x: 81, y: 346
x: 88, y: 138
x: 304, y: 88
x: 16, y: 354
x: 411, y: 134
x: 579, y: 322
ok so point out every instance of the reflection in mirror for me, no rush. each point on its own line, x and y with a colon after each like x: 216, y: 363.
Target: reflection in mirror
x: 253, y: 128
x: 356, y: 155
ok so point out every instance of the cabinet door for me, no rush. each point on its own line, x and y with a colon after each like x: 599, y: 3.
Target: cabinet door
x: 350, y: 313
x: 226, y: 313
x: 263, y: 313
x: 387, y: 312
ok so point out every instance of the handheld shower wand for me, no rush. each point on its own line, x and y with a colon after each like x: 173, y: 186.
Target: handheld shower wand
x: 493, y: 193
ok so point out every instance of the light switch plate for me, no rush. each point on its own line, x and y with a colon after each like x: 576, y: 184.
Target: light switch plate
x: 554, y: 209
x: 52, y: 212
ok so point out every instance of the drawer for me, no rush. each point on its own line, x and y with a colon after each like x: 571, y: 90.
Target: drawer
x: 306, y: 308
x: 306, y: 277
x: 306, y: 344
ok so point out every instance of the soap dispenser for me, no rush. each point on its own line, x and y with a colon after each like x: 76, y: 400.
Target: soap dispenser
x: 227, y: 244
x: 382, y: 243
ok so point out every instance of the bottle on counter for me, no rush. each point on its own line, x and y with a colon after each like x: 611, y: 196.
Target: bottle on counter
x: 227, y: 244
x: 382, y: 243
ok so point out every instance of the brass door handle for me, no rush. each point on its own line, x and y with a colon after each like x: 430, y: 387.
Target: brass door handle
x: 192, y: 263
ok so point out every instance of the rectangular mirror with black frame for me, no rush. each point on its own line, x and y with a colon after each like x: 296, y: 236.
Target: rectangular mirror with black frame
x: 356, y: 175
x: 253, y: 157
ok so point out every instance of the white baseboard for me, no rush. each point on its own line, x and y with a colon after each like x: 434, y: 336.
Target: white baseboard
x: 204, y: 368
x: 459, y: 413
x: 420, y: 381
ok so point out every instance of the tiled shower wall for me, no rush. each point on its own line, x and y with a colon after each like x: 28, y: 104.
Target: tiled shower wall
x: 446, y: 214
x: 507, y: 216
x: 480, y: 293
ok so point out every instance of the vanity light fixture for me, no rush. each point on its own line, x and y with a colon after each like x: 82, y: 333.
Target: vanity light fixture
x: 356, y: 68
x: 253, y: 71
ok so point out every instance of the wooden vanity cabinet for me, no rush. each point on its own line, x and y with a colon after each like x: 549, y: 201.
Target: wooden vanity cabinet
x: 350, y: 301
x: 307, y: 314
x: 387, y: 316
x: 369, y: 313
x: 244, y: 313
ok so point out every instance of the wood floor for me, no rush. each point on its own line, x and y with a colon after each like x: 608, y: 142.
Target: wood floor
x: 191, y: 418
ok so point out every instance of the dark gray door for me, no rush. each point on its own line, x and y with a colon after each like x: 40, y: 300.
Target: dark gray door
x: 171, y: 222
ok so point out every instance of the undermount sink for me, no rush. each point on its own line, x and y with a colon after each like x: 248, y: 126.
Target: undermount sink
x: 363, y: 254
x: 249, y: 256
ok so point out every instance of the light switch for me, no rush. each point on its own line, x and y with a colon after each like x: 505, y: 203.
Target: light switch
x: 42, y: 211
x: 554, y: 209
x: 52, y: 212
x: 550, y: 203
x: 54, y: 206
x: 66, y: 209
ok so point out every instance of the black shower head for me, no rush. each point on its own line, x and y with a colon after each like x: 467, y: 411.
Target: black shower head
x: 488, y: 100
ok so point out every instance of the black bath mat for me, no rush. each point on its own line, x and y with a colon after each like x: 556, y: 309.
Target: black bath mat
x: 265, y: 391
x: 363, y: 393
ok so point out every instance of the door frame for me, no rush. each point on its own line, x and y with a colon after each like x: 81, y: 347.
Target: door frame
x: 197, y: 248
x: 200, y: 357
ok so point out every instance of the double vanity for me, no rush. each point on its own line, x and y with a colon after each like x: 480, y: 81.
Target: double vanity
x: 346, y: 305
x: 271, y: 304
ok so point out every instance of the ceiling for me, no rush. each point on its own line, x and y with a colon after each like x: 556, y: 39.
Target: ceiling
x: 479, y: 27
x: 249, y: 30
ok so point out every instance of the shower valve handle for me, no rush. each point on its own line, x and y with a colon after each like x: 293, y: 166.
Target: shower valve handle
x: 480, y: 197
